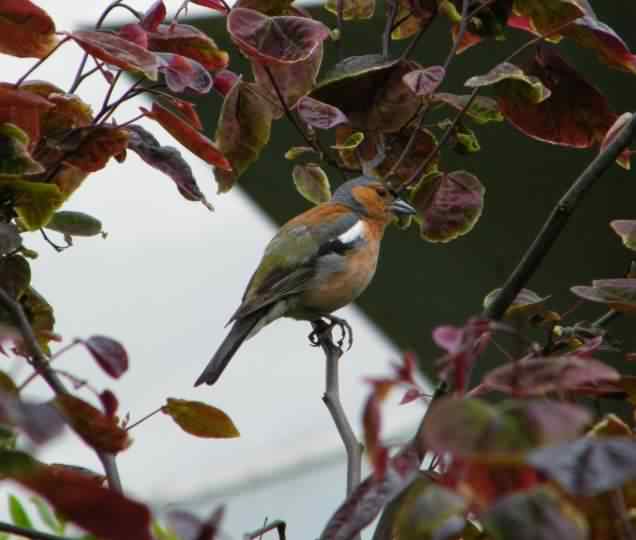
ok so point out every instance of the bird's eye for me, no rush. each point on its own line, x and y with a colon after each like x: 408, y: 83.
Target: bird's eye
x: 381, y: 192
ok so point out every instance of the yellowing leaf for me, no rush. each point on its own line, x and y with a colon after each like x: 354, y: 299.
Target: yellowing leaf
x: 200, y: 419
x: 35, y: 202
x: 351, y: 142
x: 312, y: 183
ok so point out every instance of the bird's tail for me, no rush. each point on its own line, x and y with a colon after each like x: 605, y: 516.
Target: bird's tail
x: 240, y: 331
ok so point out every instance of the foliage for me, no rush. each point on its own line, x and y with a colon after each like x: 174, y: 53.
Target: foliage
x: 538, y: 464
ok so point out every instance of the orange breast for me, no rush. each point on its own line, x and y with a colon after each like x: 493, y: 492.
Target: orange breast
x: 342, y: 287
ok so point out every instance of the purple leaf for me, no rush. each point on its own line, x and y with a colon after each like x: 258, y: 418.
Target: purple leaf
x: 281, y: 39
x: 423, y: 82
x: 588, y: 466
x: 109, y: 354
x: 320, y: 115
x: 39, y: 421
x: 181, y: 73
x: 368, y: 499
x: 168, y: 160
x: 449, y: 205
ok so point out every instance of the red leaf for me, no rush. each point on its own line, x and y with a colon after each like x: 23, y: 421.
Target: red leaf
x: 371, y: 496
x: 189, y: 137
x: 25, y: 29
x: 92, y: 147
x: 109, y: 402
x: 188, y: 110
x: 224, y: 81
x: 97, y: 430
x: 190, y: 42
x: 118, y: 52
x: 181, y: 73
x: 281, y: 39
x: 23, y: 109
x: 109, y: 354
x: 411, y: 395
x: 532, y: 376
x: 134, y: 33
x: 154, y: 16
x: 372, y: 421
x: 576, y: 114
x: 320, y: 115
x: 189, y: 527
x: 101, y: 511
x: 217, y: 5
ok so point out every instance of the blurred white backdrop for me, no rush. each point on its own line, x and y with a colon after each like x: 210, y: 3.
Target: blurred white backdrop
x: 164, y: 283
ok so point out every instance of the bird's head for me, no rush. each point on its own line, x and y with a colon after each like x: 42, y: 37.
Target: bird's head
x: 371, y: 198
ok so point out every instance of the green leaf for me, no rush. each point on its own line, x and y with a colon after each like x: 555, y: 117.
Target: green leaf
x: 474, y: 429
x: 40, y: 315
x: 74, y: 223
x: 15, y: 159
x: 351, y: 142
x: 15, y: 275
x: 200, y: 419
x: 626, y: 229
x: 47, y: 516
x: 10, y: 239
x: 243, y: 131
x: 538, y: 514
x: 312, y: 183
x: 429, y: 512
x: 352, y: 9
x: 296, y: 151
x: 506, y: 78
x: 482, y: 109
x: 18, y: 514
x: 35, y: 202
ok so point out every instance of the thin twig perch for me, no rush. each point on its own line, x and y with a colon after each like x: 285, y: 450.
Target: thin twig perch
x: 41, y: 365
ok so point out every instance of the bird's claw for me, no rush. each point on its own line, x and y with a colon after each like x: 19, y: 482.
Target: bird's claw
x: 321, y: 326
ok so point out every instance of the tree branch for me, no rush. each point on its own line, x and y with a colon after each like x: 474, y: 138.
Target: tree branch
x: 41, y: 364
x: 29, y: 533
x: 557, y: 221
x: 278, y: 524
x: 331, y: 399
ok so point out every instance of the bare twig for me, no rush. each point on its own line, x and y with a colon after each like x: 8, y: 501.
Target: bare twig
x: 41, y: 364
x: 278, y: 524
x: 144, y: 418
x: 311, y: 141
x: 418, y: 173
x: 29, y: 533
x: 340, y: 23
x: 79, y: 75
x: 331, y: 399
x: 40, y: 62
x: 557, y: 221
x: 388, y: 26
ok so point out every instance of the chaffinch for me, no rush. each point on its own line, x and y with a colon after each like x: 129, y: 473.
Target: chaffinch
x: 317, y: 263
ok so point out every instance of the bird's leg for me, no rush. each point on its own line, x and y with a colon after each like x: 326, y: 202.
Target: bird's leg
x: 321, y: 326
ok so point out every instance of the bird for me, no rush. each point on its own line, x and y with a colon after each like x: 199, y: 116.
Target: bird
x: 317, y: 263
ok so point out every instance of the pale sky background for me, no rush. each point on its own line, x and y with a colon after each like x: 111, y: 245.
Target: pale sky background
x: 164, y: 283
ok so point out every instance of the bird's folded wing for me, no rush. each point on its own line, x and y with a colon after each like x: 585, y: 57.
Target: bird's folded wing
x: 289, y: 261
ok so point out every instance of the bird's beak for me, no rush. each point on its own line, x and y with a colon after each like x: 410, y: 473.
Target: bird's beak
x: 402, y: 208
